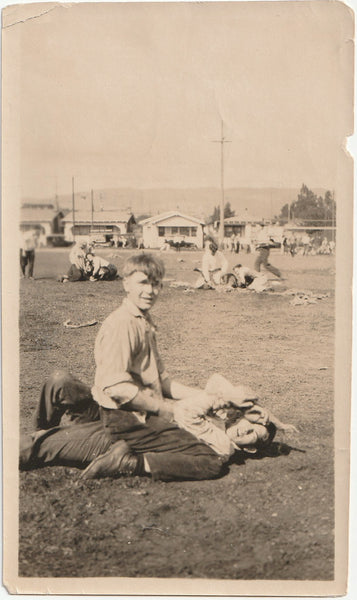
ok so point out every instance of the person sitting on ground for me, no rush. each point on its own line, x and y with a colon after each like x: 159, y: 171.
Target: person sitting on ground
x: 77, y: 258
x: 124, y: 428
x: 214, y: 267
x: 99, y: 268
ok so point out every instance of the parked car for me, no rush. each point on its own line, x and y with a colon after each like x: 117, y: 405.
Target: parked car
x: 182, y: 244
x: 57, y: 240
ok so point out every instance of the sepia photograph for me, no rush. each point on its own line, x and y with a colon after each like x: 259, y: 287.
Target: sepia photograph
x: 182, y: 426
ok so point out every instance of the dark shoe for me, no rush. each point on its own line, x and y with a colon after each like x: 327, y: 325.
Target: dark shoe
x: 118, y: 460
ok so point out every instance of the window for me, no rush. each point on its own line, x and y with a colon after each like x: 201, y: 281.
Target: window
x: 193, y: 231
x: 174, y: 230
x: 184, y: 231
x: 161, y: 231
x: 81, y: 229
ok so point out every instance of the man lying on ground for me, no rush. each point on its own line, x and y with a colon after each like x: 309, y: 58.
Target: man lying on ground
x: 122, y: 426
x: 223, y: 424
x: 100, y: 269
x: 249, y: 278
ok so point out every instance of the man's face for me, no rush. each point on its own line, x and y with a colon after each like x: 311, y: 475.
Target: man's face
x: 142, y: 290
x: 244, y: 433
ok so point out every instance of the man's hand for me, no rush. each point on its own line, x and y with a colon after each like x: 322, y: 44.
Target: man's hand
x: 241, y: 396
x: 288, y: 428
x: 257, y: 414
x: 166, y: 410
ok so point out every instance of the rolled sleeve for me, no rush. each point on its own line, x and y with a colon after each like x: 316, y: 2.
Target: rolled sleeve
x: 114, y: 382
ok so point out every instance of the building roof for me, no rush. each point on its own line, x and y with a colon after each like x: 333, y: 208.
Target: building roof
x: 168, y: 215
x: 38, y: 215
x: 309, y: 227
x: 102, y: 216
x: 244, y: 218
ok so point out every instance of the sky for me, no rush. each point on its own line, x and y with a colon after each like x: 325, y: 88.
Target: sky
x: 133, y: 95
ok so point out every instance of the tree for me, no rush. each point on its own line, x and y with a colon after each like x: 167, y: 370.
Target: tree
x: 310, y: 209
x: 228, y: 212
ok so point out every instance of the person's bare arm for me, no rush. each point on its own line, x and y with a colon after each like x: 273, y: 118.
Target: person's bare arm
x: 285, y: 427
x: 147, y: 400
x: 176, y: 390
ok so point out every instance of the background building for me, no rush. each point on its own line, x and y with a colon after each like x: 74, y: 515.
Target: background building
x: 172, y: 226
x: 45, y: 219
x: 247, y: 226
x: 101, y: 226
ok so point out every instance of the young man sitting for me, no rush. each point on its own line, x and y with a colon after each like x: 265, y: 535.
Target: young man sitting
x: 214, y: 267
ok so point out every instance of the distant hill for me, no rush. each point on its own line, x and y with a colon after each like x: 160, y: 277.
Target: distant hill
x: 199, y: 202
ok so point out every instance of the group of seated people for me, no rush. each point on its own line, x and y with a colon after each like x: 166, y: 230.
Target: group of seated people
x: 85, y: 265
x: 214, y: 272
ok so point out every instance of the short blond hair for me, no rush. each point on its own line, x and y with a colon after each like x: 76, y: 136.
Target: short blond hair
x: 147, y: 263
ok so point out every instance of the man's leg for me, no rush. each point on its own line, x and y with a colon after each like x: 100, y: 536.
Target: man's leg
x: 31, y: 259
x: 73, y: 446
x: 263, y: 259
x: 171, y: 453
x: 23, y: 262
x: 260, y: 259
x: 216, y: 277
x: 200, y: 280
x: 75, y: 274
x: 62, y: 392
x: 270, y: 267
x: 273, y: 270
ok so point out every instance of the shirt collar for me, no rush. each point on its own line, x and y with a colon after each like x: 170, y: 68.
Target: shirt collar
x: 135, y: 311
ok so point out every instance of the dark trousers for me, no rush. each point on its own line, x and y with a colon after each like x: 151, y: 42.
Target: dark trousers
x: 27, y: 257
x: 262, y: 259
x: 171, y: 453
x: 110, y: 272
x: 75, y: 274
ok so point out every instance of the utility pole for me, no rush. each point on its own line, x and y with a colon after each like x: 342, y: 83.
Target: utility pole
x: 222, y: 141
x: 92, y: 210
x: 73, y: 211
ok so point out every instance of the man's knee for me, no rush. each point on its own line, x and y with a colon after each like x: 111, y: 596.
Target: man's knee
x: 211, y: 467
x: 59, y: 377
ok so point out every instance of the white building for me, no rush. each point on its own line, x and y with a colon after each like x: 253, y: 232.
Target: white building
x: 103, y: 225
x: 246, y: 227
x: 43, y: 218
x: 172, y: 226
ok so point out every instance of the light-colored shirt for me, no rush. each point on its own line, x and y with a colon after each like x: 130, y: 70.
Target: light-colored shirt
x: 192, y: 415
x: 262, y: 237
x: 28, y: 241
x: 242, y: 272
x: 98, y: 263
x: 212, y: 263
x: 126, y: 357
x: 77, y: 256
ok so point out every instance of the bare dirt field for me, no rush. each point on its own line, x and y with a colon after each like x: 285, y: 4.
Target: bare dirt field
x: 270, y: 517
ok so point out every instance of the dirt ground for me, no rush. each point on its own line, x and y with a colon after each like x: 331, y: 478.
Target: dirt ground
x: 267, y: 518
